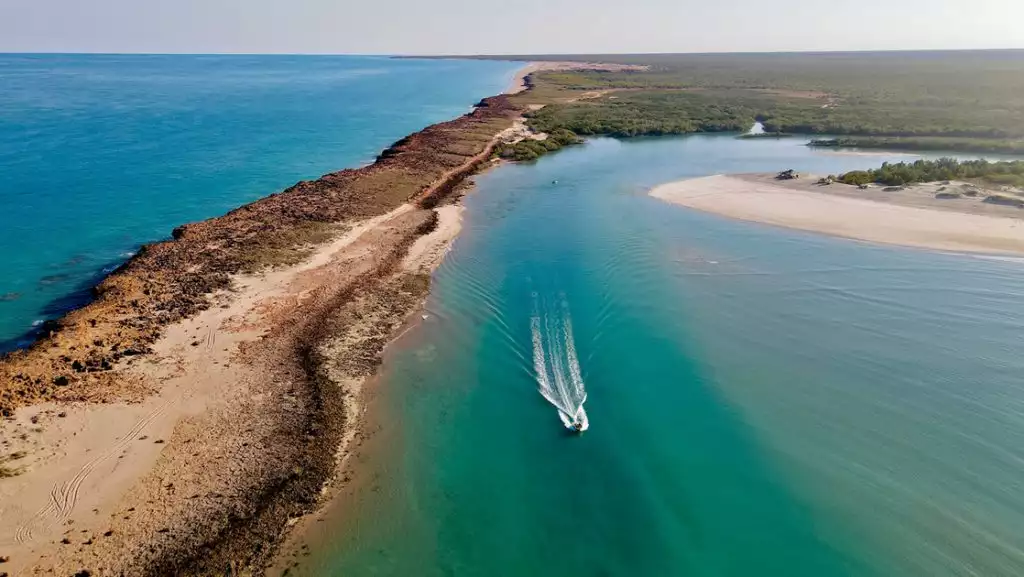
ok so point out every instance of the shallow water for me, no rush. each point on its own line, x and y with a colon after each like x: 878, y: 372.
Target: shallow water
x: 761, y: 401
x: 100, y: 154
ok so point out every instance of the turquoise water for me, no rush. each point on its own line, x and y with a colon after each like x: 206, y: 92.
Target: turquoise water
x: 761, y: 401
x: 100, y: 154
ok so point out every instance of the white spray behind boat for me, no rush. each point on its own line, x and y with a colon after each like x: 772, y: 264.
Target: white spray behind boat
x: 556, y: 365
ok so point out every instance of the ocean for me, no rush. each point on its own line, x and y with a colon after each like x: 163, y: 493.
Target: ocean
x: 102, y: 153
x: 761, y: 401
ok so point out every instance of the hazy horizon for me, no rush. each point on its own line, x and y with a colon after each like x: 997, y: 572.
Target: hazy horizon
x: 508, y: 56
x: 461, y: 28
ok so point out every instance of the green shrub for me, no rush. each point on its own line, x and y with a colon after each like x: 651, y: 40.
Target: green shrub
x: 857, y: 177
x: 944, y: 169
x: 530, y: 149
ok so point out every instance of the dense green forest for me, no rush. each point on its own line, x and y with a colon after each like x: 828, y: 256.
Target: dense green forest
x: 979, y: 145
x: 964, y: 94
x: 1005, y: 173
x: 645, y: 114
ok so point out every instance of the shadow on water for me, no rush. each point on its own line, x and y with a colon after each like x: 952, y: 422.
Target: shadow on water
x: 80, y: 292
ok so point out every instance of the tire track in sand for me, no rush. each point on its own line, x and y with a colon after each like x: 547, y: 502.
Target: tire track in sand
x: 64, y: 496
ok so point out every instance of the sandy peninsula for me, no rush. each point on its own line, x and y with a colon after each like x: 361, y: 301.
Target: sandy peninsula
x: 202, y: 404
x: 193, y: 417
x: 910, y: 216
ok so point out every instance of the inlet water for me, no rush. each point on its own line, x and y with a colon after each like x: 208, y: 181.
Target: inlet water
x: 762, y: 401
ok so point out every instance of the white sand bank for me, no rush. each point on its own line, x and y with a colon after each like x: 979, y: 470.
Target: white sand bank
x: 818, y: 210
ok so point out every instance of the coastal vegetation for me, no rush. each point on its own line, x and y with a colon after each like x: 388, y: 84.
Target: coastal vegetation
x: 969, y: 101
x: 645, y: 114
x: 1006, y: 173
x: 975, y: 145
x: 533, y: 148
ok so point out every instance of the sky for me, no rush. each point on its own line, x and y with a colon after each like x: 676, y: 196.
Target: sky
x: 505, y: 26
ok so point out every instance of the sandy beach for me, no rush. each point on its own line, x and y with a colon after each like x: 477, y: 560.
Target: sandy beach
x: 907, y: 218
x: 96, y: 475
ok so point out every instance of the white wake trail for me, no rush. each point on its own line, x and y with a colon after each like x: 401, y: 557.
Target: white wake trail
x: 540, y: 360
x: 579, y: 391
x: 556, y: 364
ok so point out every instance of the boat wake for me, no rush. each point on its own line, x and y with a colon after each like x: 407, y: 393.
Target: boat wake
x: 556, y: 365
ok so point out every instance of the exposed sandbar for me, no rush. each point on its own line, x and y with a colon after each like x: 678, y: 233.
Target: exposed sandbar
x: 911, y: 217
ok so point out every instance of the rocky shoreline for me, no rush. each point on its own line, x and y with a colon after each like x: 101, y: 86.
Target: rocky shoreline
x: 263, y: 443
x: 169, y: 281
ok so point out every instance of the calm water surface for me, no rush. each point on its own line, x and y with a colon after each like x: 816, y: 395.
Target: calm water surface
x: 761, y: 401
x: 100, y: 154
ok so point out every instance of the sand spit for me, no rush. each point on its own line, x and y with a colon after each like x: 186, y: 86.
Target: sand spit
x: 226, y: 361
x: 909, y: 217
x: 82, y: 357
x: 205, y: 460
x: 429, y: 250
x: 205, y: 402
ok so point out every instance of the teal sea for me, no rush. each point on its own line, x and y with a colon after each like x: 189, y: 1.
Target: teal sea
x: 761, y: 401
x: 102, y: 153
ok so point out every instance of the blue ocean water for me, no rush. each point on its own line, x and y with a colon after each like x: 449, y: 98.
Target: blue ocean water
x: 101, y: 153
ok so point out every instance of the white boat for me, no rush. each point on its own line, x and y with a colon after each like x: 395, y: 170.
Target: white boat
x: 576, y: 423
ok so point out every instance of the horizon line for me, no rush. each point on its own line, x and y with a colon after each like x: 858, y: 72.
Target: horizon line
x: 509, y: 56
